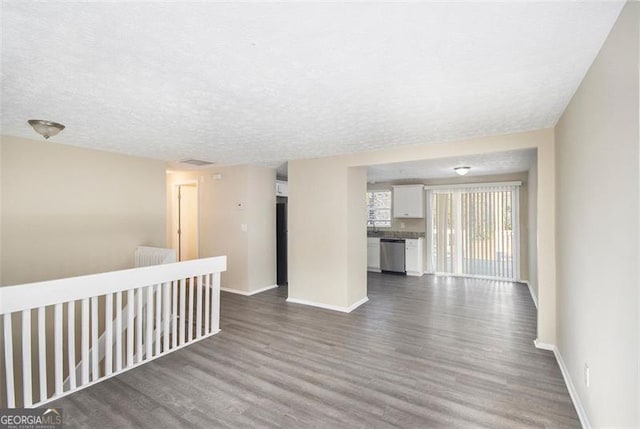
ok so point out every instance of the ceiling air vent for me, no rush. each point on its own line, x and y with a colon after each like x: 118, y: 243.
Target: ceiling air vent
x: 196, y: 162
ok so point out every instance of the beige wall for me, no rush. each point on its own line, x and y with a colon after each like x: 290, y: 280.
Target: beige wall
x: 261, y: 206
x: 68, y: 211
x: 318, y: 218
x: 419, y: 225
x: 356, y: 237
x: 318, y: 232
x: 532, y: 229
x: 245, y: 195
x: 597, y: 190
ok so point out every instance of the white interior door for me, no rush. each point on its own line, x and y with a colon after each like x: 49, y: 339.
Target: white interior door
x: 186, y: 221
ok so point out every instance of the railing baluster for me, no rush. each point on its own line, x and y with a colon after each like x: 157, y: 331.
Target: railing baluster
x: 86, y: 325
x: 108, y: 334
x: 42, y: 352
x: 26, y: 358
x: 183, y: 318
x: 215, y: 302
x: 57, y: 326
x: 174, y: 314
x: 118, y: 332
x: 199, y: 306
x: 158, y: 326
x: 207, y: 303
x: 149, y: 333
x: 139, y: 294
x: 71, y: 343
x: 8, y: 360
x: 192, y: 288
x: 166, y: 317
x: 131, y: 306
x: 95, y: 369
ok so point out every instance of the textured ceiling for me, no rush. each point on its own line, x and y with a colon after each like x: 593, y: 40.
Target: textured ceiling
x: 515, y: 161
x: 268, y: 82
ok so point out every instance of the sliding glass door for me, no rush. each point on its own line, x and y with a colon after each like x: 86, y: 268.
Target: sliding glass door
x: 474, y: 231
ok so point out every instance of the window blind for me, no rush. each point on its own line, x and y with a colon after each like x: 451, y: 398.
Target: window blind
x: 474, y: 230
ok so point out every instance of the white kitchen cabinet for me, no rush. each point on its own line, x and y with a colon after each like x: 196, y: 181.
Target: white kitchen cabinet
x: 373, y: 254
x: 413, y: 252
x: 408, y: 201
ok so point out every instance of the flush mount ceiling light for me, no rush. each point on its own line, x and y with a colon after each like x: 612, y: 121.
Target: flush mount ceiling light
x: 462, y: 170
x: 46, y: 128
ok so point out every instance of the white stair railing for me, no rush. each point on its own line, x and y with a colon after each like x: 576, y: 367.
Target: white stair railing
x: 174, y: 292
x: 144, y: 256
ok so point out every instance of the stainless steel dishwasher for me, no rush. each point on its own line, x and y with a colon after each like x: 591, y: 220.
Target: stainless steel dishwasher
x: 392, y: 255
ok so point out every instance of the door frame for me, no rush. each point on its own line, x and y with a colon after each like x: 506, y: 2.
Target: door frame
x: 174, y: 215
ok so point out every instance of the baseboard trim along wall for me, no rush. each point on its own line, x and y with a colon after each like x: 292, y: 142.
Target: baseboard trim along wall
x: 245, y: 293
x: 568, y: 381
x: 328, y: 306
x: 533, y: 295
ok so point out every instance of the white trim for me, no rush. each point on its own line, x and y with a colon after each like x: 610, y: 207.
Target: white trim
x: 245, y: 293
x: 374, y: 270
x: 582, y: 415
x: 515, y: 229
x: 472, y: 185
x: 533, y: 295
x: 329, y: 306
x: 414, y: 273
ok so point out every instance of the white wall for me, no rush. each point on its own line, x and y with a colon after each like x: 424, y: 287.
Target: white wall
x: 68, y: 211
x: 597, y: 155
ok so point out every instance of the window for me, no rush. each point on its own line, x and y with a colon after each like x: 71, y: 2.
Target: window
x: 379, y: 208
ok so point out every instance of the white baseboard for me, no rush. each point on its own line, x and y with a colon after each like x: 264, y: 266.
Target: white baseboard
x: 533, y: 295
x: 244, y: 292
x: 329, y: 306
x: 374, y: 270
x: 414, y: 273
x: 582, y: 415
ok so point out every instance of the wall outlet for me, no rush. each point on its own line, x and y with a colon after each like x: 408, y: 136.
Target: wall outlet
x: 587, y: 376
x: 243, y: 227
x: 402, y: 225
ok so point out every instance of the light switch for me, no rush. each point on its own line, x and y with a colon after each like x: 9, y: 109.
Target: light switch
x: 243, y: 227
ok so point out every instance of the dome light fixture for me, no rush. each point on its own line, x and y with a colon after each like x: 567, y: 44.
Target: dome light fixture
x: 46, y: 128
x: 462, y: 170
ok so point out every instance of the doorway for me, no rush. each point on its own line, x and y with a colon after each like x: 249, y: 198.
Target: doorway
x: 473, y: 230
x: 185, y: 221
x: 281, y: 241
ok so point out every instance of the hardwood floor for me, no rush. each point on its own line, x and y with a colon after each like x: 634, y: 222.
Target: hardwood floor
x: 428, y: 352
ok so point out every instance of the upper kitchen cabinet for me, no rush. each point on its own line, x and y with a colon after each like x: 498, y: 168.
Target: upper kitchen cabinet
x: 408, y: 201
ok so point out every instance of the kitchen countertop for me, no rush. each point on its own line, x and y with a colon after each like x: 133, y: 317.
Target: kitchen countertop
x: 394, y: 234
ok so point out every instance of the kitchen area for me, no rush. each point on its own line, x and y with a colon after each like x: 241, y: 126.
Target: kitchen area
x: 395, y: 230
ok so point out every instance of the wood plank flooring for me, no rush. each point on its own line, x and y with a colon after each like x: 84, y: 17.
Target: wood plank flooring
x: 427, y: 352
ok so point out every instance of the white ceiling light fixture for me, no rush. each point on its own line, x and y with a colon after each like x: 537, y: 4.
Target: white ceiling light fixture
x: 462, y: 170
x: 46, y: 128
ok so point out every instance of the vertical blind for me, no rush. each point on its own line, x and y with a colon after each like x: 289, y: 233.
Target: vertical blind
x: 474, y: 231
